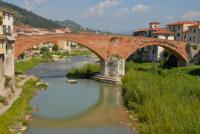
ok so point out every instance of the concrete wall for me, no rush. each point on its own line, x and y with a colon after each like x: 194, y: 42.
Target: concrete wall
x: 9, y: 64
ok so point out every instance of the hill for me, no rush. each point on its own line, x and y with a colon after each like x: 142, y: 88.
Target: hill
x: 22, y: 16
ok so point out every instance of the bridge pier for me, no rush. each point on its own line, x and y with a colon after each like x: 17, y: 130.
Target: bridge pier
x: 112, y: 69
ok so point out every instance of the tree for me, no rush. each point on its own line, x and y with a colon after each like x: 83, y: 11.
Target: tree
x: 44, y: 50
x: 55, y: 48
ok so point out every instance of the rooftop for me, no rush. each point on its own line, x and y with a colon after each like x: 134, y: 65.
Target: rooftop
x: 154, y: 22
x: 181, y: 23
x: 164, y: 32
x: 195, y: 25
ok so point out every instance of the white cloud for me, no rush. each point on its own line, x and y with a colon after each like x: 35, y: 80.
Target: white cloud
x: 99, y: 9
x: 30, y: 4
x: 169, y: 17
x: 123, y: 12
x: 140, y: 8
x: 191, y: 15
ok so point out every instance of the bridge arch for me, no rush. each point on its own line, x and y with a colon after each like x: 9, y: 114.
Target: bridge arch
x: 23, y: 44
x: 174, y: 47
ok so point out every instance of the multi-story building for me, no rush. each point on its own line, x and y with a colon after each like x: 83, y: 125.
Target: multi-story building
x: 152, y: 53
x: 194, y: 34
x: 6, y: 46
x: 181, y: 29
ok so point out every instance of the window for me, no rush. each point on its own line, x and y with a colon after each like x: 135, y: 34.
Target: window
x: 194, y: 39
x: 8, y: 17
x: 194, y: 31
x: 9, y: 29
x: 178, y: 35
x: 4, y: 29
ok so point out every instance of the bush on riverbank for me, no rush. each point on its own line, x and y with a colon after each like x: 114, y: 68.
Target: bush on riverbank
x: 21, y: 107
x: 87, y: 71
x: 80, y: 53
x: 165, y: 101
x: 23, y: 66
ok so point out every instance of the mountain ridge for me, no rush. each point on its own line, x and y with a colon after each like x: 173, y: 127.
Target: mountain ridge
x: 23, y: 16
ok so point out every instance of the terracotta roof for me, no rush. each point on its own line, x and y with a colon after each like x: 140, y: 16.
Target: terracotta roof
x: 147, y: 29
x: 181, y: 23
x: 195, y: 25
x: 154, y: 22
x: 164, y: 31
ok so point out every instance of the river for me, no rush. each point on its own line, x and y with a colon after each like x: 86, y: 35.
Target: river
x: 88, y: 107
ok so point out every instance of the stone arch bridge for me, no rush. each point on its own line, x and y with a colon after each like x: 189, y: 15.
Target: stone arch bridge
x: 113, y: 50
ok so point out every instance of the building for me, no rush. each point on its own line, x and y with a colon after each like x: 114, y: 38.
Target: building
x: 152, y: 53
x: 6, y: 46
x: 180, y: 29
x: 28, y: 30
x: 194, y: 34
x: 62, y: 30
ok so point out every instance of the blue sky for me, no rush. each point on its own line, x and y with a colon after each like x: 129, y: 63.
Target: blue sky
x: 122, y: 16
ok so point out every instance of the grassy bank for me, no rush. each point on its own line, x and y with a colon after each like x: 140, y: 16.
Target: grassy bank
x: 24, y: 66
x: 15, y: 116
x: 165, y: 101
x: 86, y: 71
x: 80, y: 53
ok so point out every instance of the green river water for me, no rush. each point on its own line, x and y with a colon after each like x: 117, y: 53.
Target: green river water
x: 88, y: 107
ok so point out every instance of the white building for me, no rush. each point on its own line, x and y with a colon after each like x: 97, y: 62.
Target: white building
x: 194, y: 34
x: 152, y: 53
x: 6, y: 46
x: 180, y: 29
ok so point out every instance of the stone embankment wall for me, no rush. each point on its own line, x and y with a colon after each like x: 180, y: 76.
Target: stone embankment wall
x: 7, y: 88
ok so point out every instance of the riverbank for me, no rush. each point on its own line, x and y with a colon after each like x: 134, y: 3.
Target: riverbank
x: 85, y: 72
x: 164, y: 101
x: 23, y: 66
x: 16, y: 119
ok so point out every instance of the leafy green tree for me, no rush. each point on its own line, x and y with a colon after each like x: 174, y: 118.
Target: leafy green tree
x: 44, y: 50
x: 55, y: 48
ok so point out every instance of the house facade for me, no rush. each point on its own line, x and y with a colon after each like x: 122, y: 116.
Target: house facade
x: 152, y: 53
x: 6, y: 46
x: 180, y: 29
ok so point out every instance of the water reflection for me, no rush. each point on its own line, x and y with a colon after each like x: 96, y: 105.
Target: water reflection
x: 88, y: 107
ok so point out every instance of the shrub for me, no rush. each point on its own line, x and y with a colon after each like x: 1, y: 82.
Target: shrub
x: 165, y: 101
x: 44, y: 50
x: 86, y: 71
x: 55, y: 48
